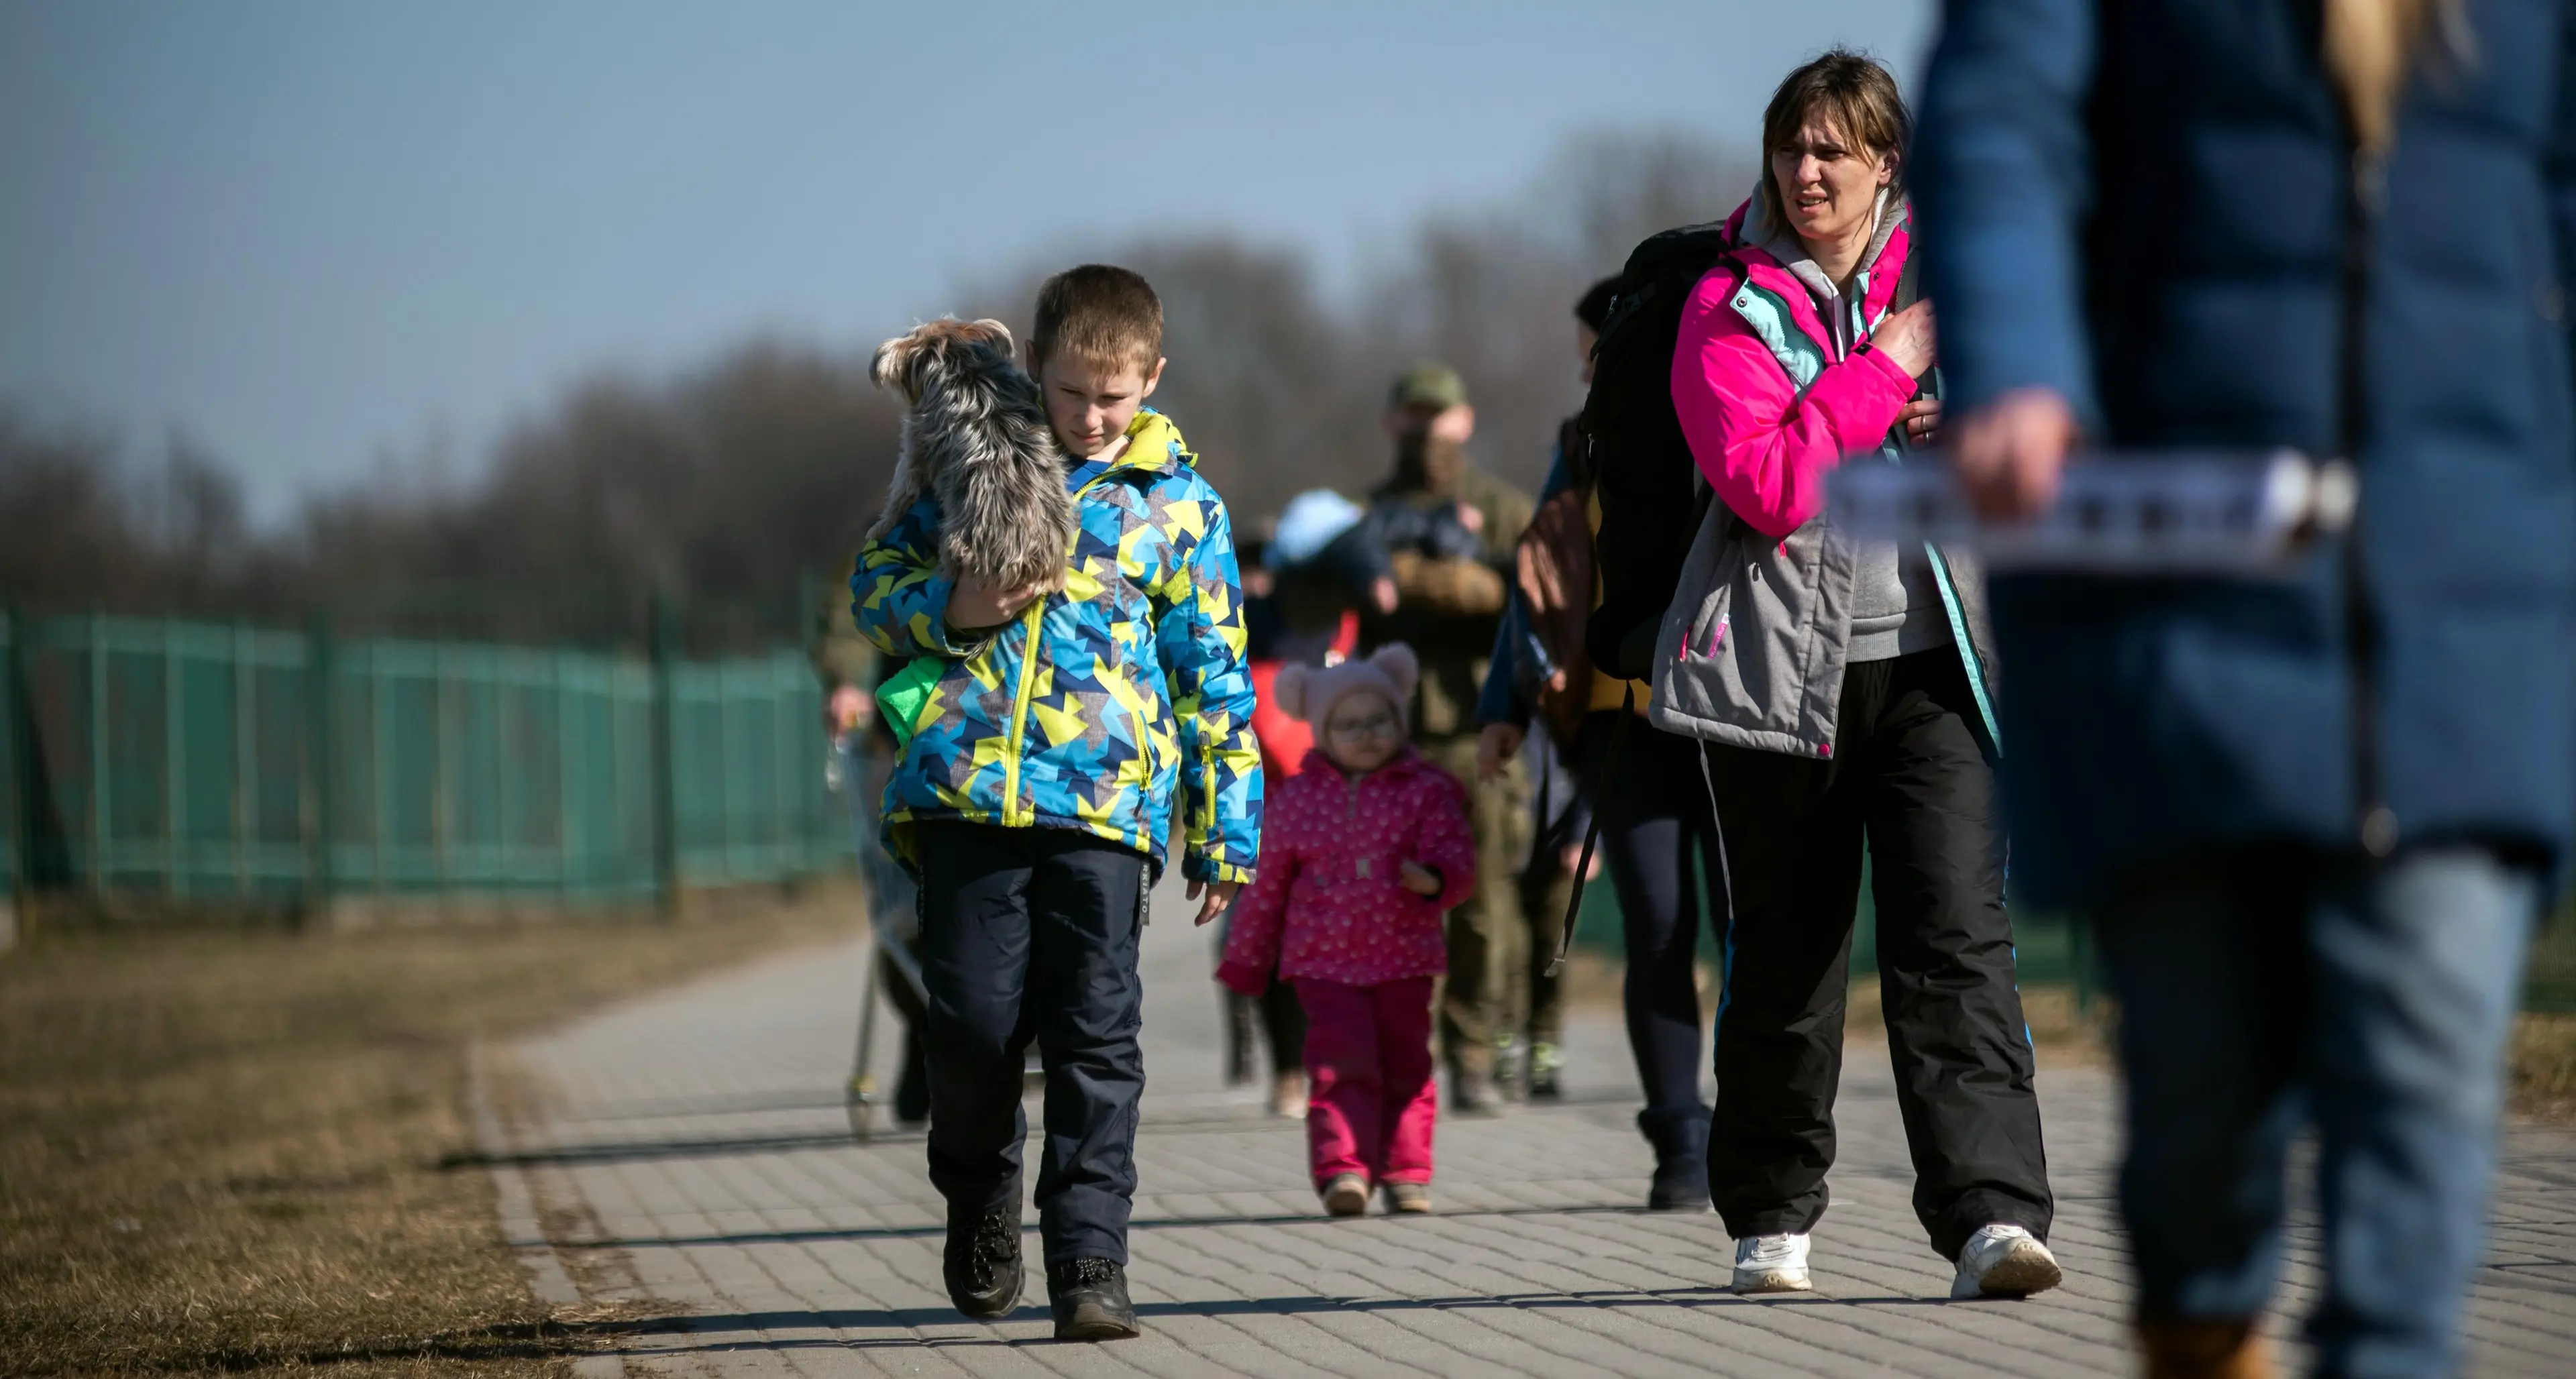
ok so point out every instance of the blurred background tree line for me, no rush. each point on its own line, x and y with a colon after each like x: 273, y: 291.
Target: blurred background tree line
x: 737, y: 486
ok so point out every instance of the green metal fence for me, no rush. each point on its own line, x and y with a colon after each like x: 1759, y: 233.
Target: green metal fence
x: 209, y: 762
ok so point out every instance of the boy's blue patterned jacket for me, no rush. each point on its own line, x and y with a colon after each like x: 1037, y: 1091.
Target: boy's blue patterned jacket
x: 1136, y: 683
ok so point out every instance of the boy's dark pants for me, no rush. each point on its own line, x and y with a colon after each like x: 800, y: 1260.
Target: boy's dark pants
x: 1030, y: 933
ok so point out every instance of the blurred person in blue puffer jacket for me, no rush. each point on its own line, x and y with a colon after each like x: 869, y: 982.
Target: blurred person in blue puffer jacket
x: 2313, y: 818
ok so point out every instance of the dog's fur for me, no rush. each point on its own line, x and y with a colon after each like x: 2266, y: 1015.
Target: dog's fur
x: 977, y: 440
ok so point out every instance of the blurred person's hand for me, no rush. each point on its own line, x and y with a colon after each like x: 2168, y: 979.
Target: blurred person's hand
x: 1382, y: 593
x: 1570, y: 856
x: 973, y: 606
x: 1218, y: 897
x: 1906, y: 338
x: 1419, y: 879
x: 849, y: 710
x: 1497, y: 744
x: 1471, y: 517
x: 2011, y: 452
x: 1921, y: 420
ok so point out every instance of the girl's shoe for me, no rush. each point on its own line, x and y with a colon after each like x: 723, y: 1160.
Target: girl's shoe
x: 1288, y: 1096
x: 1413, y: 1198
x: 1346, y: 1195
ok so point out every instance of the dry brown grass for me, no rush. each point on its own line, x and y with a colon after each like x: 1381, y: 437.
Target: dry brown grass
x: 2543, y: 1058
x: 222, y: 1151
x: 2544, y: 1067
x: 2064, y: 1036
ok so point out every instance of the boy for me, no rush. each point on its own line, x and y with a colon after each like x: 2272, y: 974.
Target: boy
x: 1035, y: 800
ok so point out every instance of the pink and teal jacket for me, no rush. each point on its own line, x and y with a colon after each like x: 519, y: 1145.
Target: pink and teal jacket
x: 1769, y: 402
x: 1772, y: 396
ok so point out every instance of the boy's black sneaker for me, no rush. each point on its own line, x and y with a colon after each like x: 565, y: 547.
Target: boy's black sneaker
x: 982, y: 1263
x: 1090, y: 1300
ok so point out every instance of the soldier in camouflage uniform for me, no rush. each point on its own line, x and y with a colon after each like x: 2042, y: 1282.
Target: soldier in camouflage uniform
x: 1447, y: 610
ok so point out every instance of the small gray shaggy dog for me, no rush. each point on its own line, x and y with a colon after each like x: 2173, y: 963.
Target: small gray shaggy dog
x: 977, y: 440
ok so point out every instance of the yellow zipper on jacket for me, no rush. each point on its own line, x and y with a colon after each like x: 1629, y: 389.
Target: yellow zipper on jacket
x: 1015, y: 742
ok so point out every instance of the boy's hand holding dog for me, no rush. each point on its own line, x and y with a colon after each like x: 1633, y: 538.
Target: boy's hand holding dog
x: 974, y: 606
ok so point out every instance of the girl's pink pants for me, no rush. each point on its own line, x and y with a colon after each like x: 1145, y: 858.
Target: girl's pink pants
x: 1370, y: 1100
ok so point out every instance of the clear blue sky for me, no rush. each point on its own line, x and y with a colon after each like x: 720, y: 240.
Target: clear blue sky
x: 312, y: 233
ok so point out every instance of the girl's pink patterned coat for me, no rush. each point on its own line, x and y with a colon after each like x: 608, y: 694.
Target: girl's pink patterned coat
x: 1325, y: 901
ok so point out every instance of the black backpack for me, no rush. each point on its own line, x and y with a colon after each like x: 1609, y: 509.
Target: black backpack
x: 1634, y: 448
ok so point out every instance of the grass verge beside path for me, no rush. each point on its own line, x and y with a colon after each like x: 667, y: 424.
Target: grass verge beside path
x: 2541, y: 1072
x: 220, y: 1151
x: 2544, y: 1067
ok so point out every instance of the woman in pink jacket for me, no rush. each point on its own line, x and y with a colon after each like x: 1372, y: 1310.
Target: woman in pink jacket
x: 1362, y: 852
x: 1839, y: 693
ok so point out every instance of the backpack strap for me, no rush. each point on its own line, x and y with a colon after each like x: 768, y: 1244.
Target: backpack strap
x: 1909, y: 290
x: 1909, y: 282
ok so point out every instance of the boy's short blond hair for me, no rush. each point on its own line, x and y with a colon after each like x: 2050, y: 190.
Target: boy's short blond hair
x: 1100, y: 314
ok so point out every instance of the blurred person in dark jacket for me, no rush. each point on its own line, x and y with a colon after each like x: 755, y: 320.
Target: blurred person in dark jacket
x: 1446, y: 608
x: 2313, y: 818
x: 863, y: 749
x: 1537, y: 676
x: 1656, y: 828
x: 1315, y: 633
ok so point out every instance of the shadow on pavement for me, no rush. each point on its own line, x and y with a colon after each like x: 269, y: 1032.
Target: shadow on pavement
x: 1244, y: 1116
x: 862, y: 1319
x: 1142, y: 1223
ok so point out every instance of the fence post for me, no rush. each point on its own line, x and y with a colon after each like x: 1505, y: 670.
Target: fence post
x: 568, y: 777
x: 21, y: 743
x: 664, y: 650
x: 320, y: 764
x: 174, y: 759
x: 795, y: 788
x: 245, y: 758
x: 442, y: 791
x: 100, y: 782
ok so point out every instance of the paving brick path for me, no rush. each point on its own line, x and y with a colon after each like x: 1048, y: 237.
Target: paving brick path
x: 689, y: 1152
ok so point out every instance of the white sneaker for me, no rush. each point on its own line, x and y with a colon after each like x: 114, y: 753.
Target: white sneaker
x: 2000, y: 1262
x: 1772, y: 1264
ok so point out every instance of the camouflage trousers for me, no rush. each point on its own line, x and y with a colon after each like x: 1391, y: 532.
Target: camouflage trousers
x: 1485, y: 998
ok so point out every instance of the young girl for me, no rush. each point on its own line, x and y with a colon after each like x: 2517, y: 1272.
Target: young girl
x: 1361, y: 853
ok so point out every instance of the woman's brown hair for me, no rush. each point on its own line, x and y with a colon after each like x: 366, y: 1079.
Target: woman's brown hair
x: 2369, y: 46
x: 1856, y: 94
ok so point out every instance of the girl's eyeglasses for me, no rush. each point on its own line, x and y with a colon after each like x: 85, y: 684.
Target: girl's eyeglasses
x: 1379, y: 724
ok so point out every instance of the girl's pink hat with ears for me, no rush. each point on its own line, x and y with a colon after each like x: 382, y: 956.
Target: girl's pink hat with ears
x: 1310, y: 692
